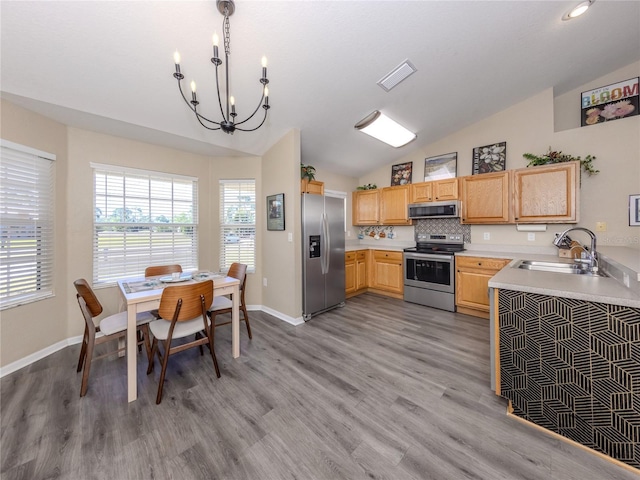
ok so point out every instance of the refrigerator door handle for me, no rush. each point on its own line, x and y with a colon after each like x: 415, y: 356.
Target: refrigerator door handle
x: 327, y: 243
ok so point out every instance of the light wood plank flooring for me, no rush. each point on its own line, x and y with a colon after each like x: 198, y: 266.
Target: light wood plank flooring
x: 380, y: 389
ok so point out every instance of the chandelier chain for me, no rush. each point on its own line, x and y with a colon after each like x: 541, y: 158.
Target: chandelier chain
x: 226, y: 28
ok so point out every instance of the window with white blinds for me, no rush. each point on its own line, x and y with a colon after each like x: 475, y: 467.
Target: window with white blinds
x: 142, y: 218
x: 26, y: 224
x: 238, y: 223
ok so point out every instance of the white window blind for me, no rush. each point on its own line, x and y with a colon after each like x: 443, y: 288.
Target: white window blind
x: 142, y: 218
x: 26, y: 225
x: 238, y: 223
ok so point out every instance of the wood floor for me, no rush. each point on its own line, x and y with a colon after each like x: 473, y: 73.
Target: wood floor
x: 379, y: 389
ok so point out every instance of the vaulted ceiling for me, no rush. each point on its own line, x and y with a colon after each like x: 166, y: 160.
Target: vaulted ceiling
x: 107, y: 66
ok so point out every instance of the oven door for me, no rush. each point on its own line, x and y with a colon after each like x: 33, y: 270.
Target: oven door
x: 435, y: 272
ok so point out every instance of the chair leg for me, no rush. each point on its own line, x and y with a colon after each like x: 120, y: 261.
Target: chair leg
x: 140, y: 339
x: 213, y: 353
x: 83, y: 351
x: 165, y: 361
x: 144, y: 330
x: 246, y: 320
x: 154, y: 349
x: 86, y: 369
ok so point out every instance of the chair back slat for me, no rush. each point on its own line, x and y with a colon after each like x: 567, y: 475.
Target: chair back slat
x: 239, y: 271
x: 92, y: 303
x: 190, y: 295
x: 156, y: 270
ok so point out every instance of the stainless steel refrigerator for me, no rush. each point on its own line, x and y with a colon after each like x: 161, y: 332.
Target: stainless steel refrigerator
x: 323, y: 254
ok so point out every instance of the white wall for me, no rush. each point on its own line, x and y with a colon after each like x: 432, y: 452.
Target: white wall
x: 528, y: 127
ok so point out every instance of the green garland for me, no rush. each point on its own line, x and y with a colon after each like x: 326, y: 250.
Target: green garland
x: 559, y: 157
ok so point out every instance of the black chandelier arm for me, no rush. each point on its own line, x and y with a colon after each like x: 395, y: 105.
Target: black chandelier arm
x: 254, y: 112
x: 193, y: 108
x: 218, y: 90
x: 254, y: 129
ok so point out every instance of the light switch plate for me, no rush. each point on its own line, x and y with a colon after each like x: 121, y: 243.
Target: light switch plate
x: 290, y: 236
x: 487, y: 236
x: 531, y: 237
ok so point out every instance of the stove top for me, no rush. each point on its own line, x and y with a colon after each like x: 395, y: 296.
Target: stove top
x: 437, y: 243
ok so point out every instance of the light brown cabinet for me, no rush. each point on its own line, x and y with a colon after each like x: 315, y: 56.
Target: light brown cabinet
x: 486, y: 198
x: 355, y: 270
x: 435, y: 191
x: 384, y: 206
x: 386, y: 272
x: 365, y: 205
x: 547, y: 194
x: 472, y: 283
x: 394, y: 203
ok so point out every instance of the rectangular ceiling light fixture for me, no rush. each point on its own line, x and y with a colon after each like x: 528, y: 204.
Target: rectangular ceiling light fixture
x: 397, y: 75
x: 381, y: 127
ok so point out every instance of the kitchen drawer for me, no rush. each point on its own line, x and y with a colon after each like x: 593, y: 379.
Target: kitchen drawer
x: 350, y: 256
x: 482, y: 262
x: 387, y: 255
x: 362, y: 254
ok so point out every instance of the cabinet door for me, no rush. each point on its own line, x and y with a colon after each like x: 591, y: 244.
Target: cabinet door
x: 421, y: 192
x: 350, y: 272
x: 472, y: 289
x: 387, y: 271
x: 445, y: 189
x: 366, y: 207
x: 485, y: 198
x: 394, y: 203
x: 547, y: 194
x: 361, y: 270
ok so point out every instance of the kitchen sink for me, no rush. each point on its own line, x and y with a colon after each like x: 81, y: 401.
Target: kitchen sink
x: 558, y: 267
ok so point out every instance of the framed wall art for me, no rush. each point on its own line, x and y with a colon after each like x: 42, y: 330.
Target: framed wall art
x: 275, y: 212
x: 611, y: 102
x: 490, y: 158
x: 441, y: 167
x: 401, y: 173
x: 634, y: 210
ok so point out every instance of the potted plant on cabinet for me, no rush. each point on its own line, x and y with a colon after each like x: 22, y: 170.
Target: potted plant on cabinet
x: 308, y: 183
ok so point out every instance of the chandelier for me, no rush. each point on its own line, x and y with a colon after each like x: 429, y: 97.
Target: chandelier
x: 228, y: 123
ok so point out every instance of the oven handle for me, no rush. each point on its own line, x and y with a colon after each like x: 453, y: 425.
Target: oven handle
x: 429, y: 256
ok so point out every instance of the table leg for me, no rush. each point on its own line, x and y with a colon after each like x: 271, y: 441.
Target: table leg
x: 132, y: 343
x: 235, y: 322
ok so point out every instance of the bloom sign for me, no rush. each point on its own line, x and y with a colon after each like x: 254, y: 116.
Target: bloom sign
x: 612, y: 102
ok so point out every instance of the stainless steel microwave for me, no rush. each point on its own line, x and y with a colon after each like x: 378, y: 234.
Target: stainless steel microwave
x: 449, y: 209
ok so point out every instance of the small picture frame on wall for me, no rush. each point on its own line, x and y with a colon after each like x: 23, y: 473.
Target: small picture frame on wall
x: 275, y: 212
x: 401, y: 174
x: 490, y: 158
x: 634, y: 210
x: 441, y: 167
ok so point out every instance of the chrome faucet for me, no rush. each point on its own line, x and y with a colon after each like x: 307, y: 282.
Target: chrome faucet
x: 593, y: 256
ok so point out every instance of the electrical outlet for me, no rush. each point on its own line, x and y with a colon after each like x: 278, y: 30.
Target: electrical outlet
x: 601, y: 226
x: 264, y: 281
x: 487, y: 236
x: 531, y: 237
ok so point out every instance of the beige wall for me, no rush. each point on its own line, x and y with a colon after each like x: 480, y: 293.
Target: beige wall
x: 281, y: 263
x: 529, y: 127
x: 35, y: 326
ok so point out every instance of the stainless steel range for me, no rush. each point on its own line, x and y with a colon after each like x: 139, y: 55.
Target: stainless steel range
x: 429, y: 270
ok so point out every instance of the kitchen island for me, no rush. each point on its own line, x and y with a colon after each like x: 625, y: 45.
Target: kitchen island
x: 566, y: 354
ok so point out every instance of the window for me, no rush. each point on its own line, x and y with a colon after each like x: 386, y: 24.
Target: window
x: 26, y: 225
x: 142, y: 218
x: 238, y: 223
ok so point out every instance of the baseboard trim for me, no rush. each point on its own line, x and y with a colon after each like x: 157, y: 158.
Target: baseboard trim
x: 39, y: 355
x: 45, y: 352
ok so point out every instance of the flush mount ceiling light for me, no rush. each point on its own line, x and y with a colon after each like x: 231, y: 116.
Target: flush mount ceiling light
x: 578, y: 10
x: 381, y: 127
x: 228, y: 123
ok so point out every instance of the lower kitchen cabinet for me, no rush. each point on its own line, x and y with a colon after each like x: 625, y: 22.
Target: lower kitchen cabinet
x: 355, y: 270
x: 472, y: 283
x: 386, y: 273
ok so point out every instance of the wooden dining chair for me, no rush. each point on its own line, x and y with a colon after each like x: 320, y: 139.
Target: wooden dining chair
x: 222, y: 305
x: 156, y: 270
x: 183, y: 313
x: 112, y: 327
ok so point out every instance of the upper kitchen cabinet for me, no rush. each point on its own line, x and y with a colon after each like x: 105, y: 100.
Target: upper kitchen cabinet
x: 485, y: 198
x: 547, y: 194
x: 365, y: 206
x: 394, y: 203
x: 435, y: 191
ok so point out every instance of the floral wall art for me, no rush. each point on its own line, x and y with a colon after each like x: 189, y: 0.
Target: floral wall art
x: 490, y: 158
x: 612, y: 102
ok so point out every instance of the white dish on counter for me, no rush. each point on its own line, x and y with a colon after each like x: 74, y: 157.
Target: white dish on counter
x: 170, y: 279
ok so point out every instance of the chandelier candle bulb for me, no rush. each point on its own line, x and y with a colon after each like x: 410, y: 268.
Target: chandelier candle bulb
x: 264, y: 67
x: 232, y: 101
x: 215, y: 45
x: 176, y: 60
x: 266, y: 97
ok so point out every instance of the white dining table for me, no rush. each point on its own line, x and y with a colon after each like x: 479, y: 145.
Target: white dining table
x: 145, y: 300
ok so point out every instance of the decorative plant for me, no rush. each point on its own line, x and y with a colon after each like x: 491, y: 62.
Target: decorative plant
x: 308, y: 172
x: 558, y: 157
x: 368, y: 186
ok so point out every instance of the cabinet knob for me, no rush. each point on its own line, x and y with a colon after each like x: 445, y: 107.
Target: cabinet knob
x: 480, y: 263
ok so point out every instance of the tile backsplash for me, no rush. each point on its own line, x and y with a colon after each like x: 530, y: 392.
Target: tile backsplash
x: 442, y: 225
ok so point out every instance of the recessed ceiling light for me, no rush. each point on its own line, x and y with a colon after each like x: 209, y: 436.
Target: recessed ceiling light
x: 381, y: 127
x: 578, y: 10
